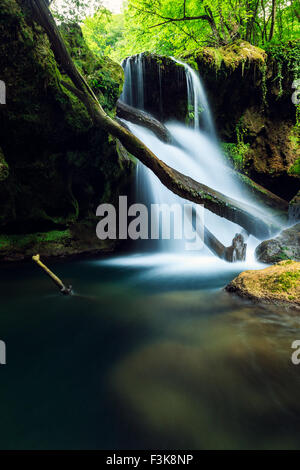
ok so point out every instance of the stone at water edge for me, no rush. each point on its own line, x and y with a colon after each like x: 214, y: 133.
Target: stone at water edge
x: 277, y: 284
x: 285, y: 246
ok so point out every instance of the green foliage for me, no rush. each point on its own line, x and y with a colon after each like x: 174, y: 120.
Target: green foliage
x: 73, y: 10
x: 235, y: 152
x: 104, y: 34
x: 25, y: 241
x: 285, y: 53
x: 102, y: 74
x: 152, y: 25
x: 295, y: 168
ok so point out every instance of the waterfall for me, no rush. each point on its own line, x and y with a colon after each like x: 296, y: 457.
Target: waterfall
x: 198, y: 107
x: 133, y: 91
x: 194, y: 152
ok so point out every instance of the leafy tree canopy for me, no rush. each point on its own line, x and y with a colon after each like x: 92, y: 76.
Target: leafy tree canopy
x: 172, y: 27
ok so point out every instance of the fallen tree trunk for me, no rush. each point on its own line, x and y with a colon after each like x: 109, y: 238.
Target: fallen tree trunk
x: 136, y: 116
x: 261, y: 194
x: 235, y: 252
x: 180, y: 184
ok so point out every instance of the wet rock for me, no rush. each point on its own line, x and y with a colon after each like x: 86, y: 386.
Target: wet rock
x: 294, y: 209
x: 277, y: 284
x: 283, y: 247
x: 165, y: 90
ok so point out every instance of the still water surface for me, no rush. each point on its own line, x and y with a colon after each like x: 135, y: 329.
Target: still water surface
x: 150, y: 352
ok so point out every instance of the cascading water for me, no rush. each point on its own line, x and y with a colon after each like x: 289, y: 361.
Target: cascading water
x: 194, y: 152
x: 133, y: 91
x: 198, y: 106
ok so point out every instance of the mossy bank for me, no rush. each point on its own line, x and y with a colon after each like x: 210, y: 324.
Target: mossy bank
x: 55, y: 167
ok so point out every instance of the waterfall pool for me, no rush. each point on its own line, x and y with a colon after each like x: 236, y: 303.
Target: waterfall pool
x: 150, y: 352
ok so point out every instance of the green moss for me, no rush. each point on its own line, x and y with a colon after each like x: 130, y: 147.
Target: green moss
x: 283, y: 282
x: 21, y: 242
x: 295, y: 168
x: 231, y: 56
x: 105, y: 76
x: 57, y: 165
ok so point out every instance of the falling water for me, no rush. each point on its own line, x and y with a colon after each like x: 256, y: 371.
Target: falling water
x: 127, y: 95
x: 133, y: 91
x: 198, y: 107
x: 194, y: 152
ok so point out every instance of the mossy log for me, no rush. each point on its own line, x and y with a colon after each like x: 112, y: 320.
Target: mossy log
x: 136, y: 116
x: 182, y: 185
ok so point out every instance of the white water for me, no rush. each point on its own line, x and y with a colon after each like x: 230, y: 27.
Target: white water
x: 197, y: 101
x: 133, y: 91
x: 194, y: 152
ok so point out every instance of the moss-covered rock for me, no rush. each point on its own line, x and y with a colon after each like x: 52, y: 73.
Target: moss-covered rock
x: 278, y: 284
x: 105, y: 76
x: 60, y: 167
x: 283, y: 247
x: 229, y: 57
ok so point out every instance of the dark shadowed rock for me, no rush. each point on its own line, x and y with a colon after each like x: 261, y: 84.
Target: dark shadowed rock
x: 294, y: 209
x: 285, y: 246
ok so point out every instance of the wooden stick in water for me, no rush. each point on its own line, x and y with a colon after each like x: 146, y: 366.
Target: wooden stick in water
x: 63, y: 289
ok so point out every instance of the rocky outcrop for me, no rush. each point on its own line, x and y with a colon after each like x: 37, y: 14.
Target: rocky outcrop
x: 278, y: 284
x: 165, y: 92
x: 286, y: 246
x: 55, y: 168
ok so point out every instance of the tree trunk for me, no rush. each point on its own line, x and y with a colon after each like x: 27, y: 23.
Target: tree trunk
x: 273, y: 19
x: 124, y: 111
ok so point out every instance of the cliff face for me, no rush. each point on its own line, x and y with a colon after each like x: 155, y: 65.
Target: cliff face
x: 55, y: 167
x: 250, y: 93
